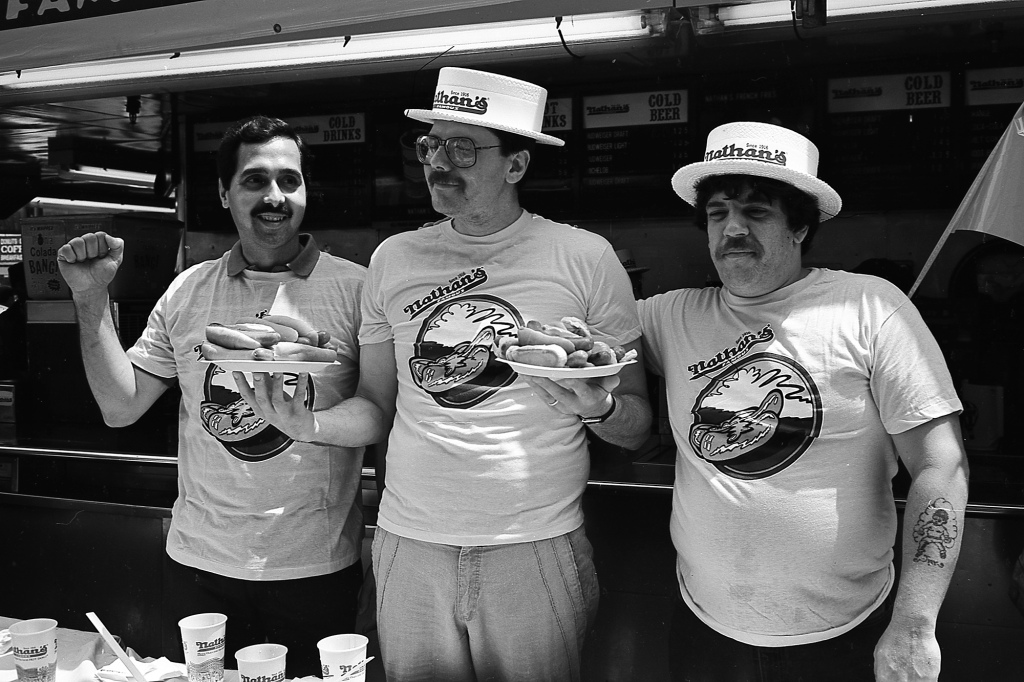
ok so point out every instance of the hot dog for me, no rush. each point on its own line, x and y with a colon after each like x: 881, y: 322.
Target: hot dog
x: 212, y: 351
x: 550, y: 355
x: 304, y: 329
x: 241, y: 336
x: 299, y: 351
x: 287, y: 333
x: 532, y: 337
x: 601, y: 354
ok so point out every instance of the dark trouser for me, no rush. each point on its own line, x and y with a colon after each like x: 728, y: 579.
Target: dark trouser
x: 699, y: 654
x: 297, y: 613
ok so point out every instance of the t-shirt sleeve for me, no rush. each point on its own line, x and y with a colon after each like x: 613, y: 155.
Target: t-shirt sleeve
x: 649, y: 313
x: 375, y: 327
x: 152, y: 351
x: 909, y: 377
x: 612, y: 311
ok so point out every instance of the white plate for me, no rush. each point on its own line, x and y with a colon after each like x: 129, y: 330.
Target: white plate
x: 566, y: 372
x: 291, y: 366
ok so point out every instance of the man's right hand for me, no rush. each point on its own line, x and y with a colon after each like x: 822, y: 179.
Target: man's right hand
x: 89, y: 263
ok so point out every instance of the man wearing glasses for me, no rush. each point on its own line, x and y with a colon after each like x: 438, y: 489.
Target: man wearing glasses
x: 482, y: 566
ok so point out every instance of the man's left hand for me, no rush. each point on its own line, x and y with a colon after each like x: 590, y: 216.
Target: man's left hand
x: 907, y: 653
x: 269, y: 401
x: 583, y: 397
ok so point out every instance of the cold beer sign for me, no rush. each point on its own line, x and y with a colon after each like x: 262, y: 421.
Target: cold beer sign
x: 635, y: 109
x: 889, y: 93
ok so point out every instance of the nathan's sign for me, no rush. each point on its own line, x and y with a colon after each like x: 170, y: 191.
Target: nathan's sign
x: 25, y: 13
x: 994, y: 86
x: 889, y: 93
x: 314, y: 130
x: 635, y: 109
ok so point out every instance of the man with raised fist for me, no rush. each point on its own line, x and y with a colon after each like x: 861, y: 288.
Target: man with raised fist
x: 267, y: 526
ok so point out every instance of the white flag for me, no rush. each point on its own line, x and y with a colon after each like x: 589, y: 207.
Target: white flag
x: 995, y: 202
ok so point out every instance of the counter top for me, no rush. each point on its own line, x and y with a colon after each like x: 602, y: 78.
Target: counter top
x: 997, y: 480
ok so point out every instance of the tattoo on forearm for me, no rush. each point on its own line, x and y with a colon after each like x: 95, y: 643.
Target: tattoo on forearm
x: 935, y: 532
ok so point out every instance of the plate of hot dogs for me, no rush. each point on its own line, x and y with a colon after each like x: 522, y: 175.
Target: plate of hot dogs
x: 565, y: 351
x: 273, y: 343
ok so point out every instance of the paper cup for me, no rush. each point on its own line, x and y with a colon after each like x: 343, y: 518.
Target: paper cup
x: 339, y: 654
x: 202, y: 637
x: 34, y: 643
x: 261, y: 663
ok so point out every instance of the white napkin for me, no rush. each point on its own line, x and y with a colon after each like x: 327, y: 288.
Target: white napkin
x: 153, y: 669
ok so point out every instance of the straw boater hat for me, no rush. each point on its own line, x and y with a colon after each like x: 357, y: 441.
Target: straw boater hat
x: 761, y: 149
x: 489, y: 100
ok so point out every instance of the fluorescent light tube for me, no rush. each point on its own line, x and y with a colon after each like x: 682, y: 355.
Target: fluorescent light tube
x: 779, y: 11
x: 110, y: 176
x: 356, y: 49
x: 94, y: 206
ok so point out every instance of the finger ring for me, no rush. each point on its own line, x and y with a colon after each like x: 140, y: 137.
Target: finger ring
x: 553, y: 403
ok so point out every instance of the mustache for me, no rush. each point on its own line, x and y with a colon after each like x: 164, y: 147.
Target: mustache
x: 745, y: 243
x: 271, y: 210
x: 446, y: 177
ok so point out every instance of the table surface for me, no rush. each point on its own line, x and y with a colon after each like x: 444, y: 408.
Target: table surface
x: 79, y: 655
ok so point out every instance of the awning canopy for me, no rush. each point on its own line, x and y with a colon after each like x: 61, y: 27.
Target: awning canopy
x: 38, y: 33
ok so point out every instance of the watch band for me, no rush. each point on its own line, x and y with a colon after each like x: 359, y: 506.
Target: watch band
x: 604, y: 417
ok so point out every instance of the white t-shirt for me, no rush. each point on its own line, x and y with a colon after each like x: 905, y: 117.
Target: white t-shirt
x: 252, y: 503
x: 782, y: 408
x: 475, y: 456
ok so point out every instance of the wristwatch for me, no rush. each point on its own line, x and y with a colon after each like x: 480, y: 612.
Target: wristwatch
x: 604, y: 417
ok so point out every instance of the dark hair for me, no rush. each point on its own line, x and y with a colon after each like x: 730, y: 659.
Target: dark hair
x: 513, y: 142
x: 256, y: 130
x: 800, y: 208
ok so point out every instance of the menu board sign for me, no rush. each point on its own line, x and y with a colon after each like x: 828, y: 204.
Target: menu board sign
x: 890, y: 141
x: 633, y: 143
x: 994, y: 86
x: 993, y: 97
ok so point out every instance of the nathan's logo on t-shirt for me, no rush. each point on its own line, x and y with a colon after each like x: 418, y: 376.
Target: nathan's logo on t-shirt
x: 460, y: 101
x: 756, y: 417
x: 743, y: 345
x: 748, y: 152
x: 453, y: 358
x: 226, y: 415
x: 456, y: 286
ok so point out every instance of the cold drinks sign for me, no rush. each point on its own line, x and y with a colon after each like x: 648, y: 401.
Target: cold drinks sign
x: 314, y: 130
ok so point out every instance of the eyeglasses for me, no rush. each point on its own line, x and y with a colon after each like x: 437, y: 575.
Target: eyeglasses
x: 460, y: 150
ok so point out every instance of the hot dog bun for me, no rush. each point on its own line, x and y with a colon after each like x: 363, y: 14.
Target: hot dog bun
x: 212, y: 351
x: 287, y: 333
x: 304, y: 329
x: 550, y: 355
x: 241, y: 336
x: 531, y: 337
x: 299, y: 351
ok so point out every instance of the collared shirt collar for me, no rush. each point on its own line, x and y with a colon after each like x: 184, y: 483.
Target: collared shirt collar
x: 302, y: 265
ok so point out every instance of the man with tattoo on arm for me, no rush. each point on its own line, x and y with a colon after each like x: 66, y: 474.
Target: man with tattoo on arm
x: 792, y: 391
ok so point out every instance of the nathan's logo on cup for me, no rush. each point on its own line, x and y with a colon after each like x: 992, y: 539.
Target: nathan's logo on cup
x: 460, y: 101
x: 210, y: 647
x: 751, y: 151
x: 277, y: 677
x: 28, y: 652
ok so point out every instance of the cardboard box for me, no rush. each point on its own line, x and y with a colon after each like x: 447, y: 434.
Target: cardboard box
x: 150, y: 255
